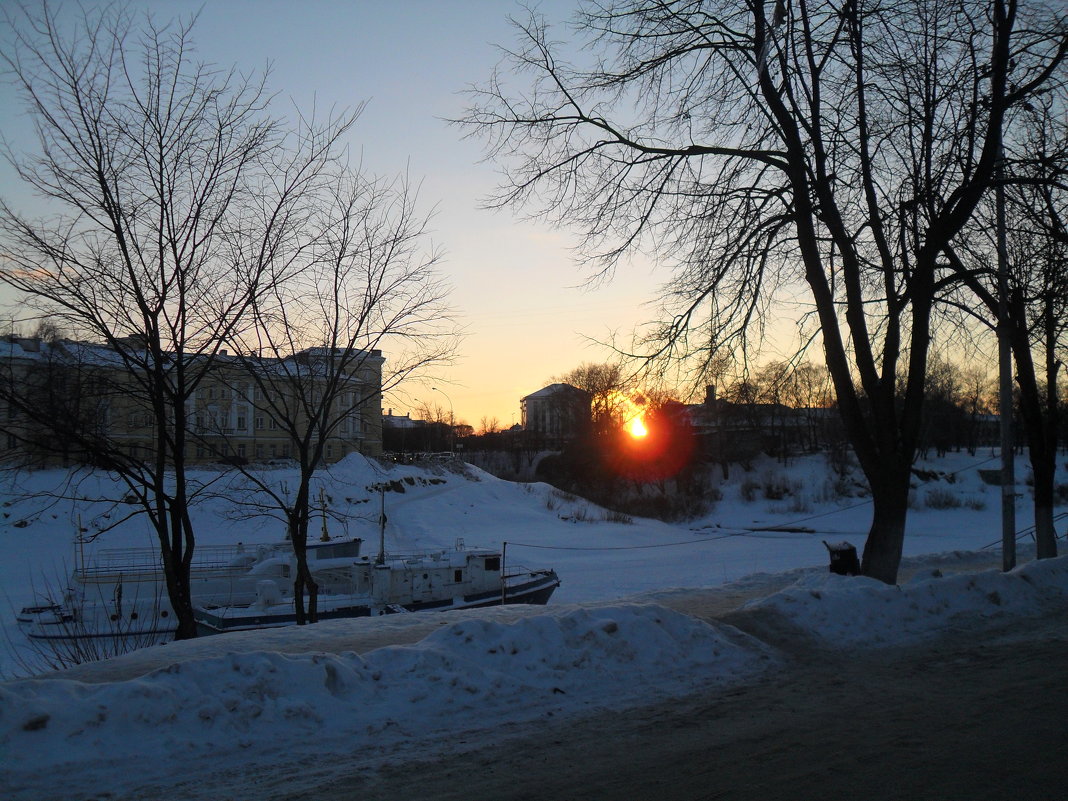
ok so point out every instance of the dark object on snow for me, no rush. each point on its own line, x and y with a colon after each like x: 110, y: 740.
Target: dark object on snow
x: 991, y: 477
x: 844, y: 560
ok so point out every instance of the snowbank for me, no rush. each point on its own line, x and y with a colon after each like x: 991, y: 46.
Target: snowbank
x: 257, y: 710
x: 257, y: 707
x: 857, y: 611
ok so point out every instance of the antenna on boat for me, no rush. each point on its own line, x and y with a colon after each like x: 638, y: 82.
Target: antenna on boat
x: 79, y: 540
x: 322, y: 505
x: 381, y: 559
x: 504, y: 561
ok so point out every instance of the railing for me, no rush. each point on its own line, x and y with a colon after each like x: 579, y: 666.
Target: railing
x: 1030, y: 532
x: 146, y: 562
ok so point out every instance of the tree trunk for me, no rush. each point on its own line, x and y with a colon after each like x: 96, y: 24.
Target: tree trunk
x: 1045, y: 532
x: 176, y: 542
x: 1040, y: 426
x: 882, y: 551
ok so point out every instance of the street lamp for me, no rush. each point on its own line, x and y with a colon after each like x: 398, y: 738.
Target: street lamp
x: 452, y: 420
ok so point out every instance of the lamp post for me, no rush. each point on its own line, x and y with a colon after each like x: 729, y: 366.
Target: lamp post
x: 452, y: 420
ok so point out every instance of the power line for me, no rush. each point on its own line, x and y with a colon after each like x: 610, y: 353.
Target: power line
x: 622, y: 547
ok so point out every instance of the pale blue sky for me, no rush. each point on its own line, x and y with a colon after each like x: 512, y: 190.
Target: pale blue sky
x: 516, y: 286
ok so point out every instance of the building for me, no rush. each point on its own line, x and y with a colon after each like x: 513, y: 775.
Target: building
x: 557, y: 413
x: 241, y: 410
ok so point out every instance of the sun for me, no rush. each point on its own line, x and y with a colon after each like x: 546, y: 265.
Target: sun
x: 637, y: 428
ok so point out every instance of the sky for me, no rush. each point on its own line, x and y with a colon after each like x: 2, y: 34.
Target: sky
x: 516, y: 286
x: 629, y: 626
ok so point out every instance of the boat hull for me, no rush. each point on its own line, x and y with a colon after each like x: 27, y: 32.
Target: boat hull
x: 536, y: 588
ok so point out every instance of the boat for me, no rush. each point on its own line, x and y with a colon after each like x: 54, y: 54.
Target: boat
x: 390, y: 583
x: 119, y: 596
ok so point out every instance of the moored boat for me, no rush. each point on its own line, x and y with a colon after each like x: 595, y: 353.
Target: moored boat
x: 119, y: 596
x: 392, y: 583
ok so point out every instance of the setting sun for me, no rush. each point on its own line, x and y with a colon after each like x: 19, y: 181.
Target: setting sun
x: 637, y: 428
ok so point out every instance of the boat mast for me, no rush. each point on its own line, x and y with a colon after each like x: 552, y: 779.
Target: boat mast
x: 381, y: 559
x: 504, y: 561
x: 322, y: 505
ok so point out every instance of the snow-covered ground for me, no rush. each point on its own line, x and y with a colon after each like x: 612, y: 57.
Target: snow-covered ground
x: 609, y: 638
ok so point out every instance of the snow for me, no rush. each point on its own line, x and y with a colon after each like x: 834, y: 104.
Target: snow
x: 346, y: 692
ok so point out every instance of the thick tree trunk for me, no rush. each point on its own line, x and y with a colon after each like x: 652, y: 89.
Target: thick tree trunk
x: 1040, y: 424
x: 886, y: 538
x: 1045, y: 533
x: 303, y: 581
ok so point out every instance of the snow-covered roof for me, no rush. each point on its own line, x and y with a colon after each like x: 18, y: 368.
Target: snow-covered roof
x: 554, y: 389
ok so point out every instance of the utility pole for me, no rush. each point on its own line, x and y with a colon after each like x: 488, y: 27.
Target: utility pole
x: 1008, y: 467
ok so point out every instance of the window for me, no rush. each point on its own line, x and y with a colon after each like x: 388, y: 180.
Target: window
x: 329, y: 451
x: 259, y: 451
x: 274, y: 451
x: 458, y: 576
x: 242, y: 418
x: 241, y: 450
x: 259, y: 422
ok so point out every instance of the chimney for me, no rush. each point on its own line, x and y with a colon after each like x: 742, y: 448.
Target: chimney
x: 710, y: 395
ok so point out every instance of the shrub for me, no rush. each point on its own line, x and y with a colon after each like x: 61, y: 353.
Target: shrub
x: 776, y: 488
x: 1060, y: 494
x: 941, y: 499
x: 798, y: 504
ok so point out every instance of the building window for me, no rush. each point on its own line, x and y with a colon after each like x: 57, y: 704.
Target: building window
x: 274, y: 451
x: 259, y: 451
x: 259, y: 422
x: 241, y: 451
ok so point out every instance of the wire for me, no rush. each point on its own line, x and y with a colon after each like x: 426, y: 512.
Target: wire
x: 622, y: 547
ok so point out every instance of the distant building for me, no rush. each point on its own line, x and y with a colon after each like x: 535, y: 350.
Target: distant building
x: 390, y: 420
x: 230, y: 416
x: 556, y: 413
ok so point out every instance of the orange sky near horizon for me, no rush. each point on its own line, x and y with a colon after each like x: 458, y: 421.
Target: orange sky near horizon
x: 517, y: 288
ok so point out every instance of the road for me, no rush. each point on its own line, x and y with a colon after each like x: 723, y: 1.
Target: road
x: 971, y: 716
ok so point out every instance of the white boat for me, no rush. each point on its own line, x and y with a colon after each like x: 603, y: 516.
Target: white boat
x: 120, y: 595
x: 389, y: 583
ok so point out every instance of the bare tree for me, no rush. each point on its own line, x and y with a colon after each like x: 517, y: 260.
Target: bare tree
x: 838, y: 145
x: 311, y: 350
x: 176, y: 198
x: 1036, y: 249
x: 607, y: 387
